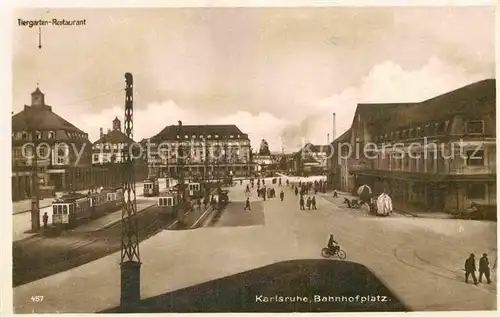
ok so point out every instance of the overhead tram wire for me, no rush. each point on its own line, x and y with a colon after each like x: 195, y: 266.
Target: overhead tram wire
x: 94, y: 97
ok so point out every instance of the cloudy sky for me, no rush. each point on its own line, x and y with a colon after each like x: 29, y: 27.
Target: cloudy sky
x: 277, y: 73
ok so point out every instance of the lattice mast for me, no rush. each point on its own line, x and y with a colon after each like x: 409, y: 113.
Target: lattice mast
x: 130, y: 257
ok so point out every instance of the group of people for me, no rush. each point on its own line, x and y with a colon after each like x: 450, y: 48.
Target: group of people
x: 262, y: 192
x: 310, y: 203
x: 484, y: 268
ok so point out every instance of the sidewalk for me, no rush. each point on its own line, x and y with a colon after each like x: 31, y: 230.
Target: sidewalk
x: 417, y: 212
x: 23, y: 206
x: 401, y: 208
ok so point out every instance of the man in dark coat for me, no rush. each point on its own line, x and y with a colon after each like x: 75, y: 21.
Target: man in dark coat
x: 247, y: 204
x: 470, y: 269
x: 313, y: 203
x: 484, y: 268
x: 46, y: 220
x: 296, y: 191
x: 301, y: 202
x: 282, y: 195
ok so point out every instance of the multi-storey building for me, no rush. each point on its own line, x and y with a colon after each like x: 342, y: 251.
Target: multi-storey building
x: 63, y: 155
x: 108, y: 152
x: 439, y: 154
x: 207, y: 151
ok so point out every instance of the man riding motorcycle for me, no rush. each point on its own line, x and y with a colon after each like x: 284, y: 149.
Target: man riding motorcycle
x: 333, y: 245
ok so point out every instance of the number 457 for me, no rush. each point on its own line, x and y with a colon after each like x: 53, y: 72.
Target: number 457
x: 37, y: 299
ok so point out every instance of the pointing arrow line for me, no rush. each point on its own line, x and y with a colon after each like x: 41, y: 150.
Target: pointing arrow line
x: 39, y: 37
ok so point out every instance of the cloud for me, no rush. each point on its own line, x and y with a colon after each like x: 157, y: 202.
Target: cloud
x: 152, y: 119
x: 385, y: 83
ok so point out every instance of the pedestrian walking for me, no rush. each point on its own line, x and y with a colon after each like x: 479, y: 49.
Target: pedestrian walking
x: 296, y: 191
x: 313, y: 203
x: 308, y: 203
x: 470, y: 268
x: 45, y: 219
x: 301, y: 203
x: 282, y: 195
x: 484, y: 268
x: 335, y: 194
x: 247, y: 204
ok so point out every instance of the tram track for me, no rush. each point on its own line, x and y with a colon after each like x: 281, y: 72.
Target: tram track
x: 32, y: 261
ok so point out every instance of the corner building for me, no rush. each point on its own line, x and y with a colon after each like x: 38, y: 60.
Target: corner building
x: 58, y: 142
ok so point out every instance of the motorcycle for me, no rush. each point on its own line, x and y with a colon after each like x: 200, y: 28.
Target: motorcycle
x: 328, y: 253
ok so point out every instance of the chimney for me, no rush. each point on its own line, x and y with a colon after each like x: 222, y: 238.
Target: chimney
x: 101, y: 133
x: 328, y: 138
x: 333, y: 134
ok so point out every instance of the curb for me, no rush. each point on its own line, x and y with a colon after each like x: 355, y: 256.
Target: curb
x: 202, y: 218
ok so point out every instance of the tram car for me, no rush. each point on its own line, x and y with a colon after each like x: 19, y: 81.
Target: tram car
x: 195, y: 190
x: 71, y: 209
x: 67, y: 209
x: 151, y: 187
x: 167, y: 201
x: 116, y: 196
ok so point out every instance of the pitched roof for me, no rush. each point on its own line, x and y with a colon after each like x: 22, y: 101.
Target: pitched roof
x: 41, y: 118
x: 469, y: 99
x: 114, y: 136
x: 345, y: 137
x: 171, y: 131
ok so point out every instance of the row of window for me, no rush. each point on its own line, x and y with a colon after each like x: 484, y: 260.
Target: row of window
x: 108, y: 146
x: 473, y: 158
x: 39, y: 135
x: 430, y: 129
x: 199, y: 144
x: 209, y: 136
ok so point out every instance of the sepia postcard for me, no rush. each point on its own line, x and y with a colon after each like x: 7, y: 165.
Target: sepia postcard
x: 265, y: 159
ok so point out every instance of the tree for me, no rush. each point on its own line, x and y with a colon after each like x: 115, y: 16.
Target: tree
x: 264, y: 148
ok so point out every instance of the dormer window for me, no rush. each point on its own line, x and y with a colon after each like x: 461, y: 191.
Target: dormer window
x: 216, y: 136
x: 51, y: 135
x: 475, y: 126
x: 186, y: 136
x: 178, y: 136
x: 38, y: 135
x: 231, y: 136
x: 193, y: 136
x: 238, y: 136
x: 209, y: 136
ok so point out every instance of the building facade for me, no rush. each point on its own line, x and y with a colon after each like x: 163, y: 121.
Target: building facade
x: 439, y: 154
x: 311, y: 159
x: 63, y: 154
x: 200, y: 151
x: 108, y: 153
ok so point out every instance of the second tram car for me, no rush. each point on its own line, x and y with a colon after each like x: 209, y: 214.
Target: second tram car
x: 151, y: 187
